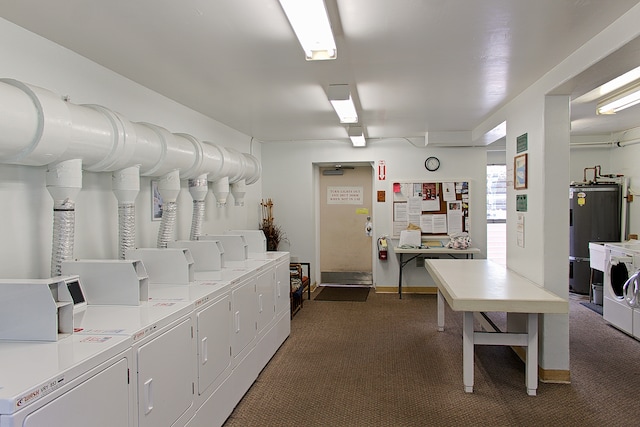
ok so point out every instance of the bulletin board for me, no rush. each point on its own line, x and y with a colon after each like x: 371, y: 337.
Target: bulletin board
x: 438, y: 208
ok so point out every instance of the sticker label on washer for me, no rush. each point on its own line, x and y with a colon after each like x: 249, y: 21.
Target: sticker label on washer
x: 39, y: 392
x: 143, y: 333
x: 99, y: 339
x: 164, y: 304
x: 99, y: 331
x: 201, y: 301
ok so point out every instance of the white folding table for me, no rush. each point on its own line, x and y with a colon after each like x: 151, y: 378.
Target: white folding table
x: 479, y: 286
x: 425, y: 251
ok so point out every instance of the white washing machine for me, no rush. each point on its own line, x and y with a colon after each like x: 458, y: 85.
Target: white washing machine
x: 622, y: 262
x: 631, y: 294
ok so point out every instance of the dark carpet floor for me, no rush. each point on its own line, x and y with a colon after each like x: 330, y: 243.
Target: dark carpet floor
x: 382, y: 363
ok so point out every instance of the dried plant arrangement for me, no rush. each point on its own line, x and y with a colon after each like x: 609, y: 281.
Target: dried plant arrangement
x: 272, y: 232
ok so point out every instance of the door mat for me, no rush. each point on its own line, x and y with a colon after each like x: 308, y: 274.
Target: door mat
x: 343, y: 293
x: 595, y: 307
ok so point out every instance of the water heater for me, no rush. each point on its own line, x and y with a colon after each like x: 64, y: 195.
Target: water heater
x: 594, y: 216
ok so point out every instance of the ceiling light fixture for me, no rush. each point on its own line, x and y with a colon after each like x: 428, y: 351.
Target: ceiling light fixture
x: 310, y: 22
x: 611, y: 86
x: 356, y: 135
x: 340, y: 98
x: 625, y: 99
x: 621, y: 81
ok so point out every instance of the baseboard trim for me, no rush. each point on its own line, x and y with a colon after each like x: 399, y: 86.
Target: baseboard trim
x: 431, y: 290
x: 556, y: 376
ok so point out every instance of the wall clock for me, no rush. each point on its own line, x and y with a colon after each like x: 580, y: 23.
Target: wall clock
x: 432, y: 164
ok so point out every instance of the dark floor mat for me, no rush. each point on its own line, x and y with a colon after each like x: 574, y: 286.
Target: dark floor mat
x: 343, y: 293
x: 595, y: 307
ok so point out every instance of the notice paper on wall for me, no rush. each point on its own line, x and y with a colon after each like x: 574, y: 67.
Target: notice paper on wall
x: 428, y: 192
x: 520, y: 230
x: 433, y: 223
x: 448, y: 191
x: 454, y: 217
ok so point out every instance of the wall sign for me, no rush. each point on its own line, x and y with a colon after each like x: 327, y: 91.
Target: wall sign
x: 345, y: 196
x: 382, y: 170
x: 522, y: 143
x: 521, y: 202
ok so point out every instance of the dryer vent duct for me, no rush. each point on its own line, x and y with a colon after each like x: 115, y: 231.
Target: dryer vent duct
x: 64, y: 181
x: 38, y: 128
x: 169, y: 188
x: 126, y: 186
x: 198, y: 188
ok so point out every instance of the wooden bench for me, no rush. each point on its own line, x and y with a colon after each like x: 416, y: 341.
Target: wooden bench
x: 299, y: 283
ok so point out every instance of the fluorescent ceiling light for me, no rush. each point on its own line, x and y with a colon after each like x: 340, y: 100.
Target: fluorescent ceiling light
x: 310, y: 22
x: 611, y: 86
x: 340, y: 98
x: 626, y: 99
x: 357, y: 136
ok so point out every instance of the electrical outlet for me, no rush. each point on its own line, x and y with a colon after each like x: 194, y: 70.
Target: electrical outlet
x: 630, y: 198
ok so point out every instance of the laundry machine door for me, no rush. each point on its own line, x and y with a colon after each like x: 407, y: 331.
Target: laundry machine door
x: 630, y: 290
x: 101, y: 401
x: 618, y: 276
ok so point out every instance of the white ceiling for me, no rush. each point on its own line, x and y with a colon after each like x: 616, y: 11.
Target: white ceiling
x: 417, y: 65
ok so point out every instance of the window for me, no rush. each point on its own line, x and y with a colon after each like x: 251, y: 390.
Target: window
x: 496, y: 193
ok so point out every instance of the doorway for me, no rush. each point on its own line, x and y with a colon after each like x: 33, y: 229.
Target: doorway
x: 345, y: 202
x: 497, y: 213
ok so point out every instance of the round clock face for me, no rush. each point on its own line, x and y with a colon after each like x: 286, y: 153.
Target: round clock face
x: 432, y: 164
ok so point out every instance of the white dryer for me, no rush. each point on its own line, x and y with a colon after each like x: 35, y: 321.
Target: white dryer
x: 622, y: 262
x: 76, y: 381
x: 162, y: 337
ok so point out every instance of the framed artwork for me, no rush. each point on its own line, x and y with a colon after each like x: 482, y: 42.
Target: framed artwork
x: 520, y: 172
x: 156, y: 202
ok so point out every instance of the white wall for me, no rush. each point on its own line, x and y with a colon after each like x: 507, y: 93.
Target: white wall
x: 26, y: 219
x: 496, y: 157
x: 583, y: 157
x: 288, y: 179
x: 526, y: 114
x: 625, y: 161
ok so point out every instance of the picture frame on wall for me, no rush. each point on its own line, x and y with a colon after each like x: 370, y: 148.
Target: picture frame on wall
x: 156, y: 202
x: 520, y: 172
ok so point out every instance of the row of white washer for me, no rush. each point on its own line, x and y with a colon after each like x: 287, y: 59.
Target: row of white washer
x: 621, y: 287
x: 185, y: 357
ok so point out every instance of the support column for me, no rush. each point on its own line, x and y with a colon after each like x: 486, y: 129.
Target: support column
x: 554, y: 328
